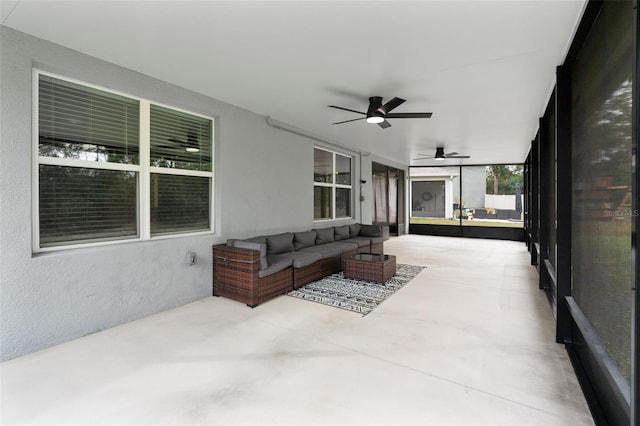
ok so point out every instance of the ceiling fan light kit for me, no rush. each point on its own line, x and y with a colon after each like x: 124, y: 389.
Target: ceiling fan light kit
x: 378, y: 113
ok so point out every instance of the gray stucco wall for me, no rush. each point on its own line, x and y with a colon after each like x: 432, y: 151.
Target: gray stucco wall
x: 263, y: 184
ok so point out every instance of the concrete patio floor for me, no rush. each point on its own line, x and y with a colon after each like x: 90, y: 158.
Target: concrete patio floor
x: 469, y: 341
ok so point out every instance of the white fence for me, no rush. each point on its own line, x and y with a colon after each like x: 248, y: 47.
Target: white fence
x: 501, y: 202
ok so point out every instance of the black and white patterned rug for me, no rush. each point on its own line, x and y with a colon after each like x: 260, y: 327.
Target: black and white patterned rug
x: 355, y: 295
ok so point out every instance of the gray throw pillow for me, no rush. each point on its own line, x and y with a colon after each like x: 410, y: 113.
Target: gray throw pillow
x: 354, y: 230
x: 371, y: 231
x: 281, y: 243
x: 304, y: 239
x: 341, y: 232
x: 324, y: 236
x: 260, y: 240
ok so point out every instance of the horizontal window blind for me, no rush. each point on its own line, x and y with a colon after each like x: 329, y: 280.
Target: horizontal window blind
x: 322, y: 166
x: 180, y: 140
x: 322, y: 202
x: 179, y: 203
x: 343, y: 202
x: 78, y: 122
x: 79, y: 204
x: 343, y: 170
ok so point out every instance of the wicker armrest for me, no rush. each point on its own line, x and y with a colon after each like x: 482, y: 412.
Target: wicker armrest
x: 235, y: 276
x: 235, y: 257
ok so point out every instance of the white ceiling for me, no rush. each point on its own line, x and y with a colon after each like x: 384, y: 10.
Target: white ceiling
x: 484, y: 68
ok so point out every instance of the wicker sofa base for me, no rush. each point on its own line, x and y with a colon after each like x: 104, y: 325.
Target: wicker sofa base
x: 235, y: 276
x: 266, y: 288
x: 376, y: 248
x: 316, y: 271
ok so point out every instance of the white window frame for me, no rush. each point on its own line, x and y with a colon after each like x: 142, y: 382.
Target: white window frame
x: 333, y: 185
x: 143, y: 170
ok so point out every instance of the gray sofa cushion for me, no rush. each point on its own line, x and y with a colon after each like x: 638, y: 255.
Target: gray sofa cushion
x: 280, y: 243
x: 354, y: 230
x: 276, y: 264
x: 262, y: 248
x: 371, y: 231
x: 376, y: 240
x: 301, y: 259
x: 324, y: 236
x: 341, y: 232
x: 360, y: 241
x: 324, y: 250
x: 304, y: 239
x: 346, y: 246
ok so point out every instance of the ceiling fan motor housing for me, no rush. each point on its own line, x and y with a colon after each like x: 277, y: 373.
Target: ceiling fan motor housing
x: 375, y: 103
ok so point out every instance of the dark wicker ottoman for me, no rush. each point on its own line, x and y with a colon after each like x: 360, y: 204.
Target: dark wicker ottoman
x: 370, y: 267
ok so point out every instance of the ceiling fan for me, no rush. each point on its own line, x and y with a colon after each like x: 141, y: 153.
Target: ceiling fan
x: 440, y: 155
x: 378, y: 113
x: 190, y: 145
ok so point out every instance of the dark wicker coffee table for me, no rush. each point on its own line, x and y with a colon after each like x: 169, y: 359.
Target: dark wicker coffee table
x: 370, y: 267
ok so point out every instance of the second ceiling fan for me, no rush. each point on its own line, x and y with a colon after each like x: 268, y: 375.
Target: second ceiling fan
x: 378, y: 113
x: 441, y: 155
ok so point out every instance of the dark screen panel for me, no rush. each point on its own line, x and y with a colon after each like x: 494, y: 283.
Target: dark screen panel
x: 601, y: 179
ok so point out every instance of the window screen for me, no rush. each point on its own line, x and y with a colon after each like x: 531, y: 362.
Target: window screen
x: 601, y: 179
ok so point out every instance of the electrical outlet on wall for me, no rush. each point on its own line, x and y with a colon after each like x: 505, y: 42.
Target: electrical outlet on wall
x: 192, y: 258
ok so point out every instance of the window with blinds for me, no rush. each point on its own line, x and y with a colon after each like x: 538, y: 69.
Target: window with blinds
x: 180, y: 140
x: 93, y: 172
x: 82, y: 123
x: 181, y: 171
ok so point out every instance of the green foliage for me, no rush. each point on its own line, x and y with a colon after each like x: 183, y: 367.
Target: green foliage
x: 502, y: 179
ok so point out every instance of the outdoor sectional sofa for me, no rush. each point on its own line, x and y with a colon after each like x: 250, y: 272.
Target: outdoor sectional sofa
x: 257, y: 269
